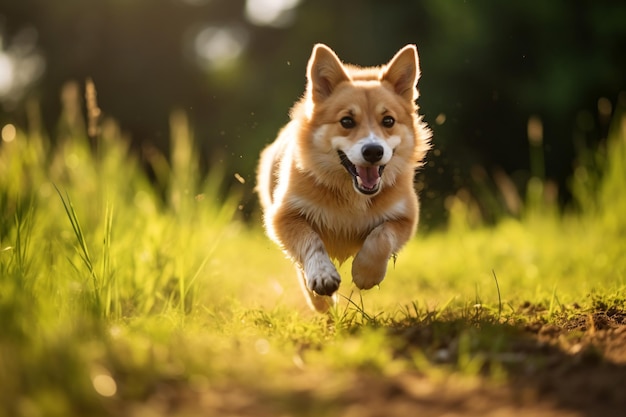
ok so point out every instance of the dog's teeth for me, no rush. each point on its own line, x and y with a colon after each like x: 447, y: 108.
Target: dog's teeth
x: 368, y: 177
x: 361, y: 185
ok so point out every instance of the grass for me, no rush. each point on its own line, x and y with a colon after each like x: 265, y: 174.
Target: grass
x: 125, y: 296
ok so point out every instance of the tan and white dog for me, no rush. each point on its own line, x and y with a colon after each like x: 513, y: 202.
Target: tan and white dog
x: 338, y: 181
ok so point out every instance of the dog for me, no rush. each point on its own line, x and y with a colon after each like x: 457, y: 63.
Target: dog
x: 338, y: 180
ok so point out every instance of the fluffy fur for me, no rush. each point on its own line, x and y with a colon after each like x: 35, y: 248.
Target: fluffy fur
x: 338, y: 181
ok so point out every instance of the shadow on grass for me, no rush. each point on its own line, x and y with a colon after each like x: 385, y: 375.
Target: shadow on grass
x: 572, y: 364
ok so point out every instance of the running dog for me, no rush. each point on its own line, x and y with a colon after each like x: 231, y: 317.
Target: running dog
x: 338, y: 181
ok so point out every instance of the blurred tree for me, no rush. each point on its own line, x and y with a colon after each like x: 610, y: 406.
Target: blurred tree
x: 237, y: 66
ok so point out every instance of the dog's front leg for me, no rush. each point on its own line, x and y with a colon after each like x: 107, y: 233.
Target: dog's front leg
x: 320, y: 274
x: 370, y: 263
x: 306, y: 248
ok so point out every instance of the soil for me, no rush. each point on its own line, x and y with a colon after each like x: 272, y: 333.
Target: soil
x: 572, y: 366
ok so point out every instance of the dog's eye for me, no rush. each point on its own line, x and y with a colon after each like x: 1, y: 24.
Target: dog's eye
x: 347, y: 122
x: 388, y: 121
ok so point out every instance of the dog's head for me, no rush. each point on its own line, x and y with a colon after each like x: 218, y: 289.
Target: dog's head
x: 362, y: 121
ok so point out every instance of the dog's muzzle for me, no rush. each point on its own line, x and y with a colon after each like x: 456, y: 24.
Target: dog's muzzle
x: 366, y: 179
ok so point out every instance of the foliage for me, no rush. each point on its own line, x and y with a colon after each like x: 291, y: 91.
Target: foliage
x: 487, y: 67
x: 122, y: 295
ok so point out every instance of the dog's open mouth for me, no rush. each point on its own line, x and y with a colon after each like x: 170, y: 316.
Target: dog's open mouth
x: 366, y: 178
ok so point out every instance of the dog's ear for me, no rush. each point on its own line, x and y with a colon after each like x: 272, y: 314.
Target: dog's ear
x: 324, y: 72
x: 402, y: 72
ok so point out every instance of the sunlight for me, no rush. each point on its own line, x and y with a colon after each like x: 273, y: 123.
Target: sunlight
x: 104, y: 385
x: 276, y: 13
x: 8, y: 133
x: 6, y: 74
x: 217, y: 47
x: 21, y: 64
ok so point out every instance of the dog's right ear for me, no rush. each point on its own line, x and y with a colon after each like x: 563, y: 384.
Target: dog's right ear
x: 324, y: 72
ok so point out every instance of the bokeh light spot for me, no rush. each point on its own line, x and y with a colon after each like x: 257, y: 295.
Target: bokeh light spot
x: 262, y: 346
x: 104, y: 385
x: 276, y: 13
x: 6, y: 74
x: 8, y: 133
x: 217, y: 47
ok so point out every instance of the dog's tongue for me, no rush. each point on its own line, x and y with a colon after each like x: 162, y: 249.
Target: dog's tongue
x: 369, y: 176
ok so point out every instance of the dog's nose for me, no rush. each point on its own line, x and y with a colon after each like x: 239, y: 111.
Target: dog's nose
x: 372, y: 152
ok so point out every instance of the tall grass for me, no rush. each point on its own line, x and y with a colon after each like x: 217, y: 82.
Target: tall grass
x: 85, y: 240
x: 114, y: 285
x: 598, y: 182
x: 100, y: 196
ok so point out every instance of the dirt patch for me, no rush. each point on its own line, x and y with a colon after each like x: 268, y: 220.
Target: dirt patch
x: 573, y: 365
x: 585, y: 363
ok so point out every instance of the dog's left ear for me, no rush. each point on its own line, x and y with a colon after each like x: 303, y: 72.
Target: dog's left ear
x: 402, y: 72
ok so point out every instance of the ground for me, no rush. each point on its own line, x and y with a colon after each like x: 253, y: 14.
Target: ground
x: 125, y: 296
x: 574, y: 366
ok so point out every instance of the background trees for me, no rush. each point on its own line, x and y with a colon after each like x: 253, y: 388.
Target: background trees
x: 236, y: 66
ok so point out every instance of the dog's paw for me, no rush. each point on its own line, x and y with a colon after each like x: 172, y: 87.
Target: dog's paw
x: 322, y: 277
x: 320, y: 303
x: 368, y: 272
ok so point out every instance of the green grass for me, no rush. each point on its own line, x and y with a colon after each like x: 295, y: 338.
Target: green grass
x: 124, y: 296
